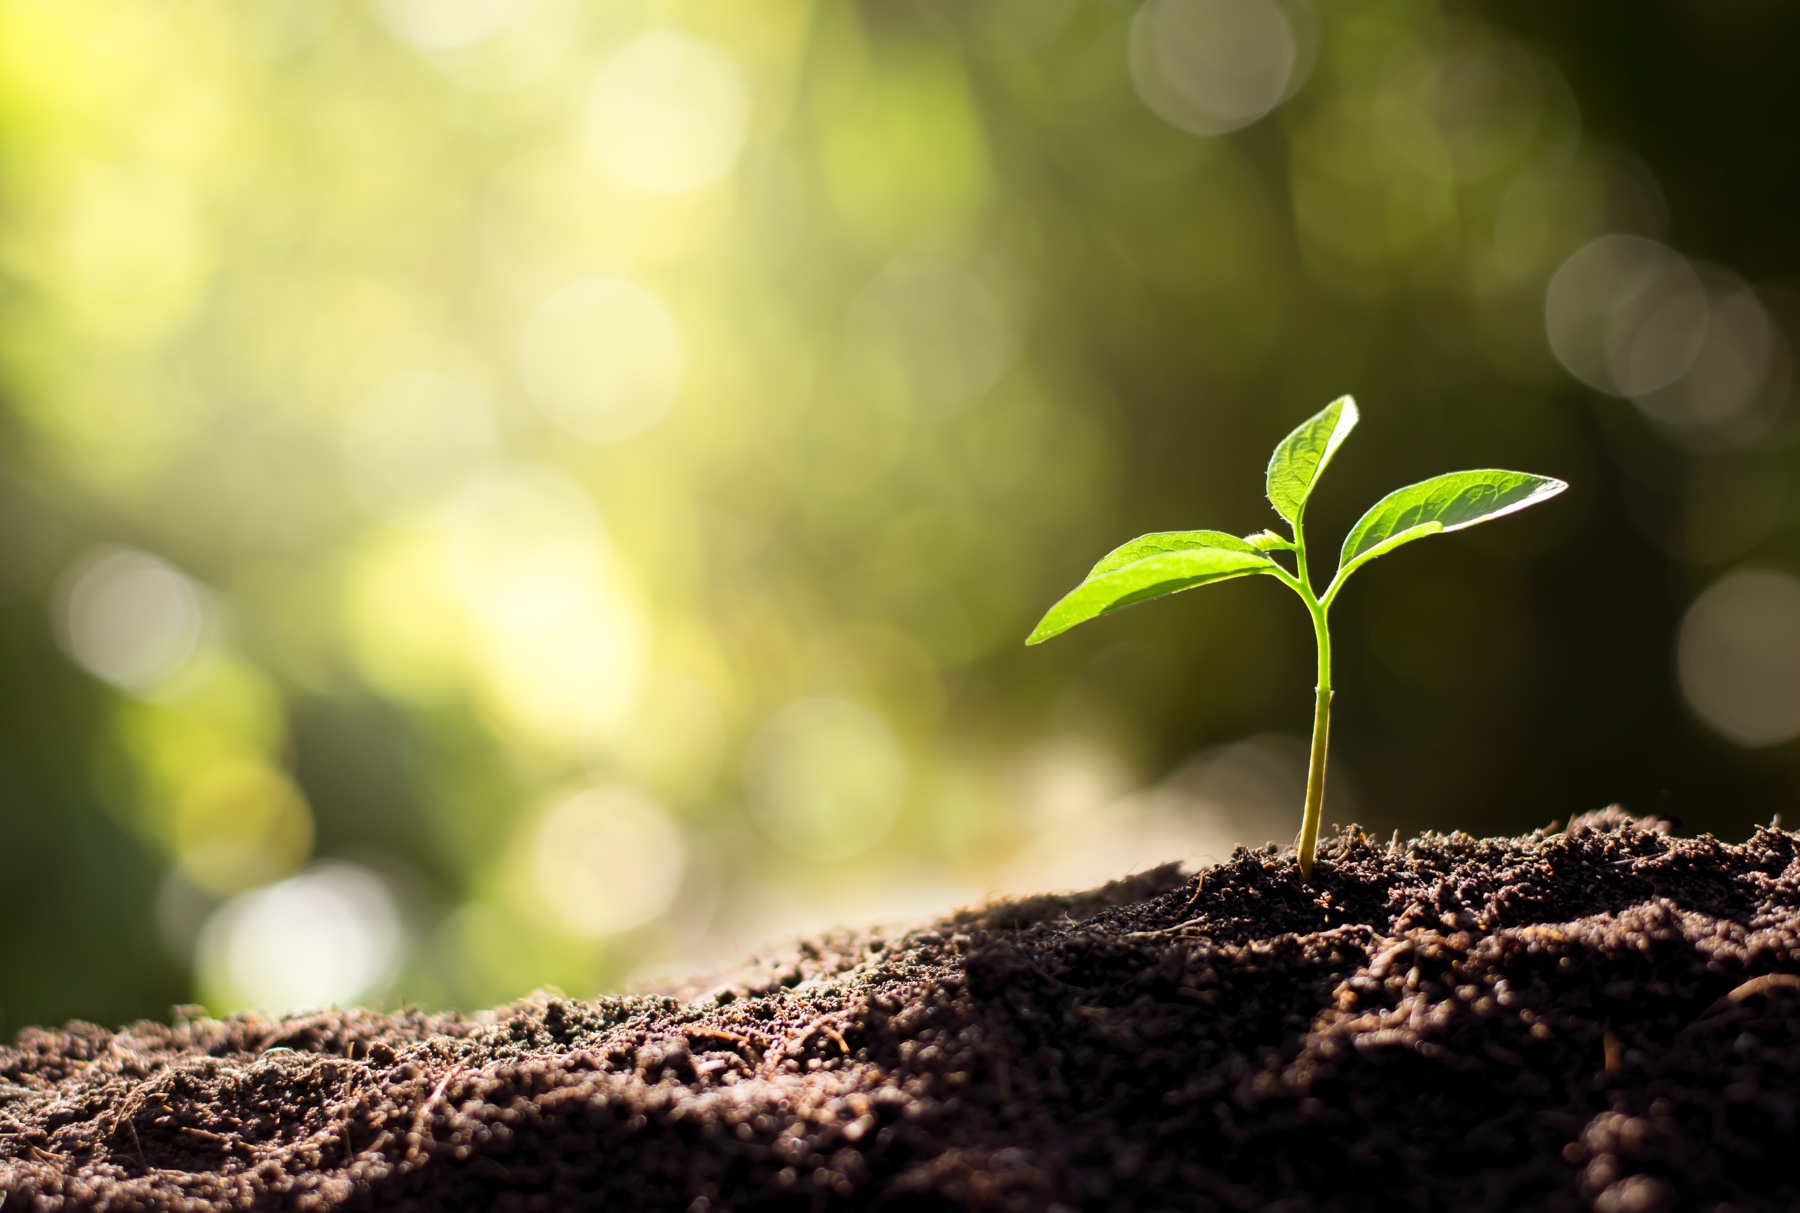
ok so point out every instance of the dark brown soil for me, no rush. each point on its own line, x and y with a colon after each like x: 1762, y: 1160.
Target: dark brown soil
x: 1607, y: 1018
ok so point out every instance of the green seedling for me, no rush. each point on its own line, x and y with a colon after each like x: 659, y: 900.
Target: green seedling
x: 1151, y: 566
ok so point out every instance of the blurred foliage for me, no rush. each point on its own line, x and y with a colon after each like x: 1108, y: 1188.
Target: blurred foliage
x: 514, y: 492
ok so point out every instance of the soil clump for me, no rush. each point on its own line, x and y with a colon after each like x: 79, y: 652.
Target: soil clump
x: 1603, y: 1018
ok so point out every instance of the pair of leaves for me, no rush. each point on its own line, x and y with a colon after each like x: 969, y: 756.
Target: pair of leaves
x: 1151, y: 566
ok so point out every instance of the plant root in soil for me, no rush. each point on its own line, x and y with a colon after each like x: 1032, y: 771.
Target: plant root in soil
x: 1603, y: 1018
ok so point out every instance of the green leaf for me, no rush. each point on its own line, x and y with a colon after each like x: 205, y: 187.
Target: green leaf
x: 1141, y: 580
x: 1299, y: 458
x: 1440, y: 505
x: 1159, y: 542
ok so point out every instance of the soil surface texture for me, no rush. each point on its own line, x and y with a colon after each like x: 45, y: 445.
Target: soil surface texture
x: 1602, y: 1018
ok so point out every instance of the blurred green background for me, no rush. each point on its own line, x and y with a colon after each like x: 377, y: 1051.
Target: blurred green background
x: 504, y: 493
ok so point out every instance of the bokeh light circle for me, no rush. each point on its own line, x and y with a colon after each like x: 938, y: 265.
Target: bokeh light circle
x: 129, y: 618
x: 825, y: 779
x: 606, y: 860
x: 601, y: 359
x: 332, y: 935
x: 1212, y: 66
x: 1462, y: 103
x: 928, y: 338
x: 414, y: 442
x: 1738, y: 657
x: 239, y: 825
x: 559, y: 645
x: 668, y: 113
x: 1626, y: 315
x: 529, y: 547
x: 449, y: 24
x: 1737, y: 385
x: 672, y: 742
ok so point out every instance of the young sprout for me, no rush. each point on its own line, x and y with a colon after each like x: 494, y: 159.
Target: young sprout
x: 1163, y: 563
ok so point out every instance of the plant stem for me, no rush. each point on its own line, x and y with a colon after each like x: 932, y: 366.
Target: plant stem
x: 1306, y: 842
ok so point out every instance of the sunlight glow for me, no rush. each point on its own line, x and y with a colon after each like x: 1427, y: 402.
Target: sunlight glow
x: 529, y: 547
x: 133, y: 258
x: 446, y: 24
x: 602, y: 359
x: 928, y: 338
x: 673, y: 743
x: 561, y: 650
x: 606, y: 860
x: 825, y: 779
x: 404, y: 617
x: 329, y: 936
x: 669, y: 113
x: 414, y: 443
x: 240, y: 825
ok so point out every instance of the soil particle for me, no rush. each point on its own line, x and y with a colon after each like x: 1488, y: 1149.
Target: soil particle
x: 1604, y: 1018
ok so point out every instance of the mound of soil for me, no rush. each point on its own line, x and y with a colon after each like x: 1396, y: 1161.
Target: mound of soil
x: 1605, y: 1018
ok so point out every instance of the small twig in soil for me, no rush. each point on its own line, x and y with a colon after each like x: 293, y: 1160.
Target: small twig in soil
x: 32, y: 1149
x: 1180, y: 926
x: 1763, y: 984
x: 800, y: 1037
x: 137, y: 1147
x: 757, y: 1048
x: 1722, y: 1010
x: 421, y: 1126
x: 208, y: 1134
x: 126, y: 1112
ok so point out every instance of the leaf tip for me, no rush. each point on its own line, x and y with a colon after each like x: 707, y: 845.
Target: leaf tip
x: 1299, y: 459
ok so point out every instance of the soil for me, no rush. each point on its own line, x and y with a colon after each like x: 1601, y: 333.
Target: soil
x: 1602, y: 1018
